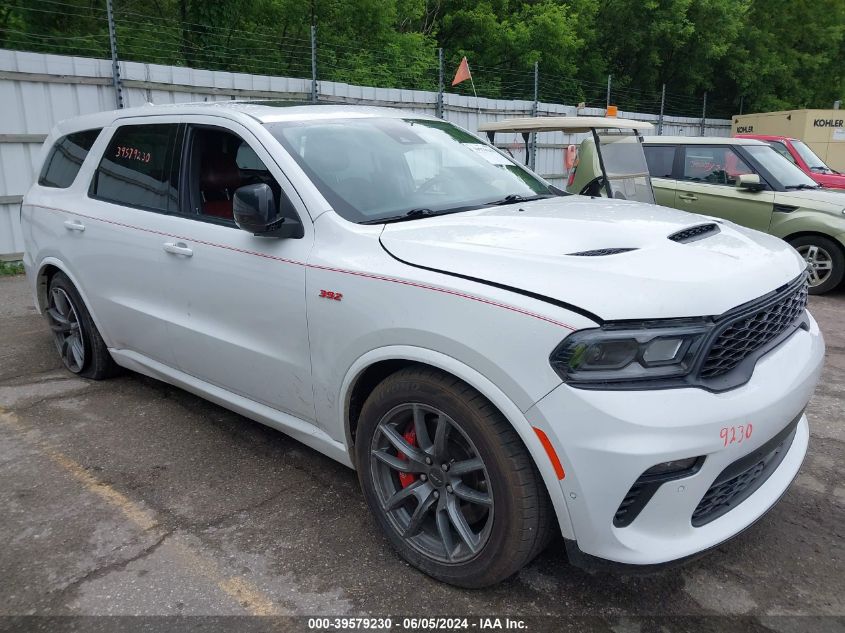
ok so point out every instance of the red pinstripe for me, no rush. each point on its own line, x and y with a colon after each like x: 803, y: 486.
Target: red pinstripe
x: 342, y: 271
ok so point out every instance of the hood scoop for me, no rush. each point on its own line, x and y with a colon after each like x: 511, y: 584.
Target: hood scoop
x: 695, y: 233
x: 601, y: 252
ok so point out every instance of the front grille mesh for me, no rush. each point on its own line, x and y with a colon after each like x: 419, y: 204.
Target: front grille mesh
x: 752, y: 331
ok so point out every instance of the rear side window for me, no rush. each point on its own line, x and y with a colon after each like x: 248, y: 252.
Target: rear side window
x: 65, y: 159
x: 137, y: 168
x: 660, y: 160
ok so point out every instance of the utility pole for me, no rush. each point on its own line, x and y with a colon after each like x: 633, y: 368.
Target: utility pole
x: 703, y: 114
x: 314, y: 95
x: 535, y: 109
x: 115, y: 66
x: 662, y: 105
x: 608, y: 90
x: 438, y: 106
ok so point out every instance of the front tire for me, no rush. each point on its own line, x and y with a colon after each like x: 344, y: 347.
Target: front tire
x: 825, y: 261
x: 77, y: 339
x: 448, y: 479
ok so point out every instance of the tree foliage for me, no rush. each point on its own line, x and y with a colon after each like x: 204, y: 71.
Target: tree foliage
x: 771, y: 54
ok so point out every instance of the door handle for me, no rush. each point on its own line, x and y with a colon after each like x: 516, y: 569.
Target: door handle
x: 688, y: 196
x: 178, y: 248
x: 74, y: 225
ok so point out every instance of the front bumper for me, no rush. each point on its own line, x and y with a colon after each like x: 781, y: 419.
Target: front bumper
x: 607, y: 439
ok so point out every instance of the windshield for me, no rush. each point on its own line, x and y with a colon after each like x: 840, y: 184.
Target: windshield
x: 372, y: 168
x: 787, y: 174
x: 809, y: 156
x: 626, y: 167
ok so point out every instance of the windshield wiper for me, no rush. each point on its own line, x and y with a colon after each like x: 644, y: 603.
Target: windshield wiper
x: 413, y: 214
x: 802, y: 186
x: 513, y: 198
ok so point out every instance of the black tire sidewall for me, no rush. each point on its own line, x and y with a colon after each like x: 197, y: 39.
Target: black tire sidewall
x: 494, y: 562
x: 837, y: 256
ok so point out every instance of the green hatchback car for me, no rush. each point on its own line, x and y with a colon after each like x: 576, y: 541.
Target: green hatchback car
x: 748, y: 182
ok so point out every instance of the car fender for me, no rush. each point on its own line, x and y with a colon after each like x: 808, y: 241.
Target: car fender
x: 484, y: 386
x: 808, y: 221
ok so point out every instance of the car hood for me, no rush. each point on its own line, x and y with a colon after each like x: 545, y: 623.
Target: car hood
x: 829, y: 200
x: 530, y: 246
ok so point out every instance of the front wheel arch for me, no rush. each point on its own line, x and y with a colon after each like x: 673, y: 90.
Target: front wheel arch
x: 399, y: 357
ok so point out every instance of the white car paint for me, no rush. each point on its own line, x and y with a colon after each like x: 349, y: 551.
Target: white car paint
x: 241, y: 322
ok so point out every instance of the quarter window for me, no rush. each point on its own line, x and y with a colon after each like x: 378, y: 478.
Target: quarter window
x: 66, y: 158
x: 660, y: 160
x: 137, y: 168
x: 715, y: 165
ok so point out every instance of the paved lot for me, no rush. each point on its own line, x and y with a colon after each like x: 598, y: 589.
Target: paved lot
x: 132, y: 497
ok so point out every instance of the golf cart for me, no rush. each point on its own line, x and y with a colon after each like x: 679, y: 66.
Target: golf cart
x: 609, y: 163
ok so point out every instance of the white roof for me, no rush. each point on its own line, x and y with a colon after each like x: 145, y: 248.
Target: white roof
x: 568, y: 124
x: 264, y: 111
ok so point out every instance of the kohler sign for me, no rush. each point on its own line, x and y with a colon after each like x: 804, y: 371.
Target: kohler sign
x: 828, y: 122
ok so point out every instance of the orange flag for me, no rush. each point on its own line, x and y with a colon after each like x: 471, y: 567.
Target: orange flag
x: 463, y: 72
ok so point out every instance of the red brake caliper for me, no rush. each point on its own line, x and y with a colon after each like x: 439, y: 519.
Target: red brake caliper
x: 406, y: 479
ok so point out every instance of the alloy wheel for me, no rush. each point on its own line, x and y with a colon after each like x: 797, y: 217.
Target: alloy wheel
x: 432, y: 483
x: 819, y: 263
x: 67, y: 332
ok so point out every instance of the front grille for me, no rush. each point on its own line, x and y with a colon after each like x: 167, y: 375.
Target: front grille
x: 694, y: 233
x: 600, y: 252
x: 752, y: 330
x: 739, y: 480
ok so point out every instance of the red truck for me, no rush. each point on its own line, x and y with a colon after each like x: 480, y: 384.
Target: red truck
x: 800, y: 154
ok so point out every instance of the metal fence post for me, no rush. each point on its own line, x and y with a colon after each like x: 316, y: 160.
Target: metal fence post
x: 115, y: 66
x: 438, y: 106
x: 662, y: 105
x: 608, y: 90
x: 314, y: 94
x: 741, y: 102
x: 703, y: 114
x: 535, y: 108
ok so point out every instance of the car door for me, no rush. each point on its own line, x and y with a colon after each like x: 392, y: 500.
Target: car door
x: 707, y: 185
x: 118, y: 258
x: 239, y: 319
x: 661, y: 159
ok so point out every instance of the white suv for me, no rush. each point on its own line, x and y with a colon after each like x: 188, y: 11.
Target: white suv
x: 497, y: 359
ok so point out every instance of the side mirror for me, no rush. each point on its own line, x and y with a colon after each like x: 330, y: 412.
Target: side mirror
x: 750, y: 182
x: 256, y: 211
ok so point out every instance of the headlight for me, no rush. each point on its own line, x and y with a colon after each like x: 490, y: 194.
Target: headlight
x: 622, y: 354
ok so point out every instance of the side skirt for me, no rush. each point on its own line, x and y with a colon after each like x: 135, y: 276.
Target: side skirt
x: 296, y: 428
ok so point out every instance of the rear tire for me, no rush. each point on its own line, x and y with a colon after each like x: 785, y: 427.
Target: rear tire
x: 825, y: 260
x: 77, y: 339
x: 483, y: 516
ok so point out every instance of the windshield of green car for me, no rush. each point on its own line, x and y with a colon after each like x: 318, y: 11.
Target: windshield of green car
x: 373, y: 169
x: 787, y: 174
x: 809, y: 156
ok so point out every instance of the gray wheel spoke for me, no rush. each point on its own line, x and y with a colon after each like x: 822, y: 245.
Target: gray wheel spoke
x: 445, y: 531
x: 58, y: 322
x: 401, y: 465
x: 420, y: 428
x: 76, y: 350
x: 466, y: 466
x: 418, y: 516
x: 418, y: 489
x: 60, y: 301
x: 462, y: 491
x: 401, y: 444
x: 441, y: 436
x: 461, y: 526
